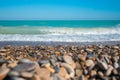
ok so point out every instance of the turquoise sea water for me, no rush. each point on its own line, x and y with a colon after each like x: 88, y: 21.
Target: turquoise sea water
x: 59, y: 30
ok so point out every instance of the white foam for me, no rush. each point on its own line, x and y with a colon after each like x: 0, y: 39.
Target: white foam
x: 60, y: 38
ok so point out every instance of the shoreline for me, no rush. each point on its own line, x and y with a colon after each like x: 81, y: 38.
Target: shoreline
x: 53, y: 43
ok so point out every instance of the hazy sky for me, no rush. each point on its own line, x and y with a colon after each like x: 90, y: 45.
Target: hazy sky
x: 59, y: 9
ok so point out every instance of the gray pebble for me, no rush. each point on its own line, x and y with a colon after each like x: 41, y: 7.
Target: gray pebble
x: 25, y: 67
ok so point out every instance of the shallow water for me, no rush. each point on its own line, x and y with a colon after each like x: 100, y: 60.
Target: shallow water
x: 60, y: 30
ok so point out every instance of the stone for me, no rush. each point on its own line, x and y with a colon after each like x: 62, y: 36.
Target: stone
x: 93, y: 73
x: 90, y: 55
x: 73, y: 65
x: 102, y: 65
x: 91, y: 67
x: 63, y: 73
x: 41, y: 62
x: 69, y: 69
x: 57, y: 53
x: 100, y: 74
x: 116, y: 47
x: 106, y: 59
x: 12, y: 65
x: 68, y: 59
x: 58, y: 77
x: 14, y: 73
x: 2, y: 61
x: 59, y: 58
x: 109, y: 70
x: 114, y: 78
x: 3, y: 73
x: 26, y: 74
x: 50, y: 69
x: 78, y: 72
x: 25, y: 67
x: 14, y: 78
x: 56, y: 69
x: 115, y: 72
x: 25, y: 61
x: 116, y: 65
x: 78, y: 65
x: 82, y: 77
x: 3, y: 50
x: 114, y: 59
x: 85, y: 71
x: 89, y: 63
x: 53, y: 62
x: 44, y: 74
x: 82, y: 57
x: 35, y: 77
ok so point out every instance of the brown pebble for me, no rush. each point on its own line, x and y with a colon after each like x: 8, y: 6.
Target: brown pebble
x: 12, y: 65
x: 68, y: 59
x: 26, y: 74
x: 44, y: 74
x: 100, y: 74
x: 63, y: 73
x: 35, y: 77
x: 89, y: 63
x: 109, y: 71
x: 3, y: 73
x: 78, y: 72
x: 93, y: 73
x: 82, y: 57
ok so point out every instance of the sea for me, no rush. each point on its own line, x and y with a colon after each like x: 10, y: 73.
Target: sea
x: 60, y: 30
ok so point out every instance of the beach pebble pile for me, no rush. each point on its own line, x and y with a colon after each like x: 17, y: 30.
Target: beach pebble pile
x: 91, y: 62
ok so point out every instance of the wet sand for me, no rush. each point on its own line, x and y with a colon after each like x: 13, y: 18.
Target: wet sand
x: 36, y: 43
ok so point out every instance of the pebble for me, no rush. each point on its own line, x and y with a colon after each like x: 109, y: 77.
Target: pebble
x: 63, y: 73
x: 2, y: 61
x: 106, y: 59
x: 3, y: 73
x: 35, y: 77
x: 85, y: 71
x: 82, y: 57
x: 114, y: 78
x: 116, y: 65
x: 82, y: 77
x: 25, y: 67
x: 56, y: 69
x: 14, y: 73
x: 109, y: 71
x: 91, y: 67
x: 53, y: 62
x: 15, y: 78
x: 57, y: 77
x: 115, y: 72
x: 12, y: 65
x: 26, y: 74
x: 69, y: 69
x: 44, y: 74
x: 78, y: 72
x: 91, y: 55
x: 68, y: 59
x: 50, y: 69
x: 100, y: 74
x: 103, y: 65
x: 93, y: 73
x: 41, y: 62
x: 89, y: 63
x: 25, y: 61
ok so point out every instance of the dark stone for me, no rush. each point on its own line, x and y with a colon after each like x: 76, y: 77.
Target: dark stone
x: 25, y: 67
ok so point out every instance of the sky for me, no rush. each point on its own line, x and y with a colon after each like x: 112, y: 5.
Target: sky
x: 59, y: 9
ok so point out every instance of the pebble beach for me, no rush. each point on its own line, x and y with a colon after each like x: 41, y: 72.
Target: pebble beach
x: 60, y: 62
